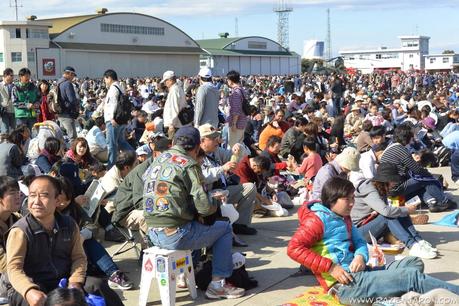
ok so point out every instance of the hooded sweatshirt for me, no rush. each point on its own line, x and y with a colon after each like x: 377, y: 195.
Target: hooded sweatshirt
x: 367, y: 200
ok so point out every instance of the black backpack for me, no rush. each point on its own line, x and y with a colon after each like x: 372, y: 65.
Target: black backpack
x: 123, y: 109
x: 245, y: 104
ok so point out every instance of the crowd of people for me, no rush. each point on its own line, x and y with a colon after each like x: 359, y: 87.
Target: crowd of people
x: 188, y: 162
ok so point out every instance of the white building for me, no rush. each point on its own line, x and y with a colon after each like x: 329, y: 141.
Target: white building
x: 411, y: 56
x: 442, y: 62
x: 313, y: 49
x: 248, y: 55
x: 134, y: 45
x: 19, y: 42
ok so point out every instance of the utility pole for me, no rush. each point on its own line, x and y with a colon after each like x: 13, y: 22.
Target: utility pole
x: 329, y: 48
x: 283, y: 10
x: 16, y: 5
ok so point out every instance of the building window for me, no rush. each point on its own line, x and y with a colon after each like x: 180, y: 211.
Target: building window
x: 27, y: 33
x: 410, y: 55
x: 432, y: 60
x: 378, y: 56
x: 446, y: 60
x: 16, y: 56
x: 257, y: 45
x: 130, y: 29
x: 39, y: 33
x: 15, y: 33
x: 31, y: 56
x: 18, y: 32
x: 1, y: 57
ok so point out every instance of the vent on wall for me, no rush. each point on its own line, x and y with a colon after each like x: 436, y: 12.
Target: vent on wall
x: 71, y: 35
x: 135, y: 39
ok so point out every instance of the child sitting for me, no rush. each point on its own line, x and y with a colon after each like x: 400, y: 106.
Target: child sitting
x: 311, y: 164
x: 333, y: 249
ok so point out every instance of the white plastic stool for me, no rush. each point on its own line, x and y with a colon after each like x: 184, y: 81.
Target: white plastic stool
x: 165, y: 266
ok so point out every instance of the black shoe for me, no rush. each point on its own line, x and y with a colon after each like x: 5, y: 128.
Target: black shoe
x: 438, y: 207
x: 242, y: 229
x: 451, y: 204
x: 237, y: 242
x: 114, y: 235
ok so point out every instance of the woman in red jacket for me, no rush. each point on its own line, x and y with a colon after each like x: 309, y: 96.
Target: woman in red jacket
x: 44, y: 114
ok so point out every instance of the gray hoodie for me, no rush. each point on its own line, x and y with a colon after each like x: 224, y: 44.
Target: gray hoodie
x: 367, y: 200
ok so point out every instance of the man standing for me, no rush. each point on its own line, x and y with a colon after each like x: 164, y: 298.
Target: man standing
x: 217, y: 167
x: 116, y: 138
x: 207, y: 96
x: 69, y: 103
x: 7, y: 110
x: 237, y: 120
x: 175, y: 102
x: 26, y: 99
x: 173, y: 196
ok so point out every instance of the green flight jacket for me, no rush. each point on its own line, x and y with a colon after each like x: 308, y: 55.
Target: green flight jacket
x: 23, y: 94
x: 129, y: 195
x: 174, y: 191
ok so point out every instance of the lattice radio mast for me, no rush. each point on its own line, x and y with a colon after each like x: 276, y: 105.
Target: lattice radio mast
x: 16, y: 5
x: 329, y: 48
x: 283, y: 10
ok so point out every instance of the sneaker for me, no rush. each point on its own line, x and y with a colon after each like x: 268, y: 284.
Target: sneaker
x: 119, y: 280
x: 181, y: 281
x: 242, y: 229
x: 238, y: 242
x: 427, y: 245
x: 438, y: 207
x: 114, y: 235
x: 224, y: 291
x: 420, y: 251
x: 451, y: 204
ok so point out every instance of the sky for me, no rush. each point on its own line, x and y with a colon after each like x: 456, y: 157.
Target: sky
x: 355, y: 24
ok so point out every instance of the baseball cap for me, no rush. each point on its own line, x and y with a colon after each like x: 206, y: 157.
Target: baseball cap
x: 207, y: 130
x: 168, y: 75
x: 141, y: 151
x: 191, y: 135
x: 205, y: 72
x: 70, y: 69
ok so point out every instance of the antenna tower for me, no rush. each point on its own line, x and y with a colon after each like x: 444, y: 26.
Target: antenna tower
x: 236, y: 28
x: 283, y: 10
x: 16, y: 5
x: 329, y: 48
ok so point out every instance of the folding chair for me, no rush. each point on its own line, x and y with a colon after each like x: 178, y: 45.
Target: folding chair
x: 130, y: 243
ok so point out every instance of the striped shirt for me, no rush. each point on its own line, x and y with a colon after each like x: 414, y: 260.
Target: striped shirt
x: 399, y: 155
x: 235, y: 108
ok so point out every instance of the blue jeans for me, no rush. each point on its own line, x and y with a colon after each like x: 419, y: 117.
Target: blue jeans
x: 194, y: 236
x: 98, y: 256
x: 397, y: 279
x: 29, y: 122
x: 427, y: 190
x: 116, y: 140
x: 8, y: 123
x: 449, y: 128
x: 402, y: 228
x: 455, y: 165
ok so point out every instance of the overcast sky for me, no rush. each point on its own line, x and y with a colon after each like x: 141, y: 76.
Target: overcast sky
x: 354, y: 23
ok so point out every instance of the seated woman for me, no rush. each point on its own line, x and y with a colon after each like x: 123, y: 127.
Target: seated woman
x: 98, y: 258
x: 11, y: 155
x: 373, y: 213
x: 49, y: 155
x: 80, y: 155
x: 415, y: 178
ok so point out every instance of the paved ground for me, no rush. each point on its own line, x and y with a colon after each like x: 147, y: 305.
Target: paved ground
x: 268, y: 262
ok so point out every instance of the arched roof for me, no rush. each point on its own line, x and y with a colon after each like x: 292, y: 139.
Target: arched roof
x: 223, y: 43
x: 63, y: 24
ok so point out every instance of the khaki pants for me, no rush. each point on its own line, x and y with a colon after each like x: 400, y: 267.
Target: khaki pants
x: 243, y: 198
x: 235, y: 136
x: 136, y: 221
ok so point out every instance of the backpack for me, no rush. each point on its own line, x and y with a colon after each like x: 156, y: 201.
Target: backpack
x: 53, y: 100
x: 245, y: 104
x: 123, y: 109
